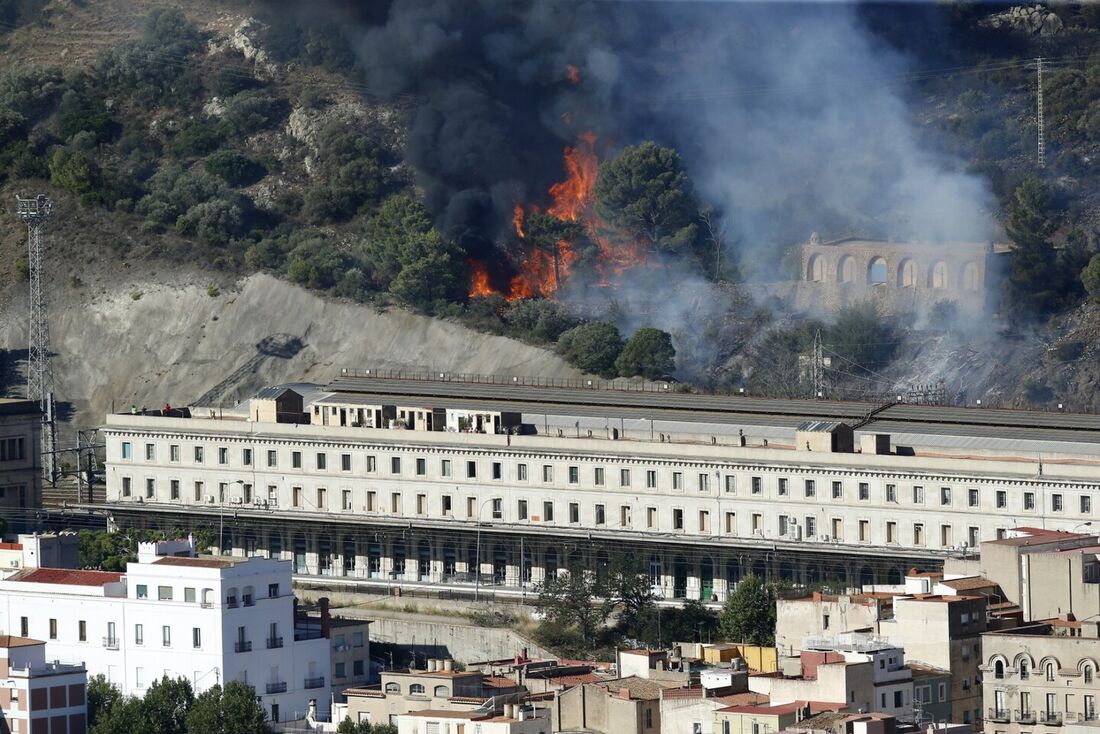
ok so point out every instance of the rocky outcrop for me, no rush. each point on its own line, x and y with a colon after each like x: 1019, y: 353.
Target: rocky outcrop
x: 1035, y: 20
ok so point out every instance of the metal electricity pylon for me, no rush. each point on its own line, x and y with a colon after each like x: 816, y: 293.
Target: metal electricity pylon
x: 35, y: 212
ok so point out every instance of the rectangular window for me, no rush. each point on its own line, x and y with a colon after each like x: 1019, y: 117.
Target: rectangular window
x: 150, y: 452
x: 445, y: 505
x: 521, y: 509
x: 166, y: 636
x: 445, y: 468
x: 972, y: 498
x: 600, y: 519
x: 782, y: 486
x: 731, y: 523
x: 574, y: 512
x: 891, y: 493
x: 918, y: 534
x: 651, y: 479
x: 811, y: 526
x: 521, y: 472
x: 395, y: 502
x: 677, y: 519
x: 372, y: 465
x: 345, y: 462
x: 918, y: 495
x: 624, y: 477
x: 196, y: 638
x: 421, y: 467
x: 574, y: 475
x: 704, y: 482
x: 864, y: 491
x: 864, y: 531
x: 704, y: 521
x: 1001, y: 499
x: 1056, y: 503
x: 1029, y: 500
x: 246, y: 457
x: 322, y: 462
x: 346, y: 499
x: 82, y: 631
x: 548, y: 512
x: 838, y: 490
x: 471, y: 470
x: 810, y: 488
x: 395, y: 465
x: 497, y: 508
x: 731, y: 483
x: 757, y: 523
x: 296, y: 496
x: 322, y: 494
x: 174, y: 488
x: 677, y: 481
x: 150, y: 488
x: 624, y: 516
x: 295, y: 459
x: 651, y: 518
x: 972, y: 536
x: 838, y: 529
x: 945, y: 495
x: 945, y: 536
x: 24, y: 627
x: 127, y: 450
x: 127, y: 486
x: 272, y: 591
x: 371, y: 500
x: 597, y: 476
x: 547, y: 473
x: 272, y: 458
x: 189, y: 594
x: 471, y: 507
x: 223, y: 455
x: 757, y: 485
x: 1086, y: 504
x: 891, y: 532
x: 139, y: 634
x: 142, y: 591
x: 164, y: 593
x: 174, y: 453
x: 498, y: 470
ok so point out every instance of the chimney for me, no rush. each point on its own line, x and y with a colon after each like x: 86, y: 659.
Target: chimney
x: 326, y: 618
x: 448, y: 665
x: 431, y: 665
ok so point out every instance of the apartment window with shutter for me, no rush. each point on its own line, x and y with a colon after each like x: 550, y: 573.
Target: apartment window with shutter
x: 296, y: 459
x: 272, y: 458
x: 651, y: 518
x: 731, y: 483
x: 600, y: 517
x: 945, y: 536
x: 811, y: 526
x: 574, y: 475
x: 757, y: 485
x: 1002, y: 499
x: 521, y: 472
x: 704, y: 482
x: 651, y: 479
x: 918, y: 495
x: 597, y: 476
x: 174, y: 488
x: 498, y: 470
x: 521, y: 509
x: 445, y: 468
x: 1056, y: 503
x: 127, y: 487
x: 864, y: 491
x: 1029, y: 500
x: 945, y: 495
x: 838, y: 490
x: 757, y: 523
x: 471, y: 470
x: 918, y: 534
x: 395, y: 502
x: 972, y: 498
x: 421, y: 466
x: 395, y: 465
x: 1086, y: 504
x: 150, y: 452
x: 811, y: 488
x: 497, y: 508
x: 174, y: 453
x: 574, y: 512
x: 345, y: 462
x: 445, y: 505
x: 372, y: 501
x: 838, y: 529
x: 547, y: 473
x: 864, y: 531
x: 677, y: 519
x: 891, y: 532
x: 624, y: 516
x: 624, y: 477
x: 223, y: 455
x: 421, y: 504
x: 782, y: 486
x: 548, y: 511
x: 704, y: 521
x: 891, y: 493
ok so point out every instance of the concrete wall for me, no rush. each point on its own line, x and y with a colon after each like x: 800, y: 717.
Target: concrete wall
x: 460, y: 641
x: 799, y: 618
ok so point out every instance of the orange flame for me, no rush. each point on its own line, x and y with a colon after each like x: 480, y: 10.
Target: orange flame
x: 479, y: 280
x: 573, y: 74
x: 574, y: 194
x: 517, y: 219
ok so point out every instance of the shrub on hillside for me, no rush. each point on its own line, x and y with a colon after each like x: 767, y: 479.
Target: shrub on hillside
x: 538, y: 319
x: 81, y: 113
x: 592, y: 347
x: 217, y: 221
x: 152, y: 70
x: 649, y: 353
x: 31, y: 91
x: 234, y: 168
x: 196, y: 138
x: 253, y: 111
x: 233, y: 78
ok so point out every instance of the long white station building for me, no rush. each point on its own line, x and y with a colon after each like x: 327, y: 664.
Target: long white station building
x: 386, y: 481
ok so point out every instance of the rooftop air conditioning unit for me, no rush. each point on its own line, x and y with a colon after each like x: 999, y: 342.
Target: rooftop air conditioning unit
x: 209, y: 499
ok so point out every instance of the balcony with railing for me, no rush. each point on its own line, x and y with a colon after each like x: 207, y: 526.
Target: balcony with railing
x: 999, y: 715
x: 318, y: 682
x: 274, y: 642
x: 279, y: 687
x: 242, y: 646
x: 1025, y: 717
x: 231, y: 602
x: 1050, y: 718
x: 110, y: 643
x: 247, y: 600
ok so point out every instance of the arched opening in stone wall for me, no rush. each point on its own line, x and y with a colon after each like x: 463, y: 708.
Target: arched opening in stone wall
x: 815, y: 269
x: 907, y: 274
x: 937, y: 275
x: 969, y: 277
x: 876, y: 271
x: 846, y: 269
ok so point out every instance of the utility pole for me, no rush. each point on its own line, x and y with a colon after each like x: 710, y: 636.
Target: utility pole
x: 35, y: 212
x: 1039, y: 112
x: 818, y: 367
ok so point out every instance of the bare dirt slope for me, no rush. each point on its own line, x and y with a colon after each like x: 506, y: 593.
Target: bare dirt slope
x: 176, y: 342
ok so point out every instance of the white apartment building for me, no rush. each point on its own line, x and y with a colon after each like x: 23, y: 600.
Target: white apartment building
x: 38, y: 696
x: 702, y: 490
x: 205, y: 619
x: 512, y: 719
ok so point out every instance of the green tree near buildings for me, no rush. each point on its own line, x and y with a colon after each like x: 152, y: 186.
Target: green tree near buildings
x: 1090, y: 278
x: 347, y: 726
x: 232, y: 709
x: 1032, y: 287
x: 592, y: 347
x: 749, y: 613
x: 645, y: 193
x: 649, y: 353
x: 578, y: 599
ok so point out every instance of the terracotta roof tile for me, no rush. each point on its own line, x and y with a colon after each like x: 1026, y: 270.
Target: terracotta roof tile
x: 66, y: 577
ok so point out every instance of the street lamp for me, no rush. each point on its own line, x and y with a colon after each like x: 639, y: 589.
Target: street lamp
x: 477, y: 571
